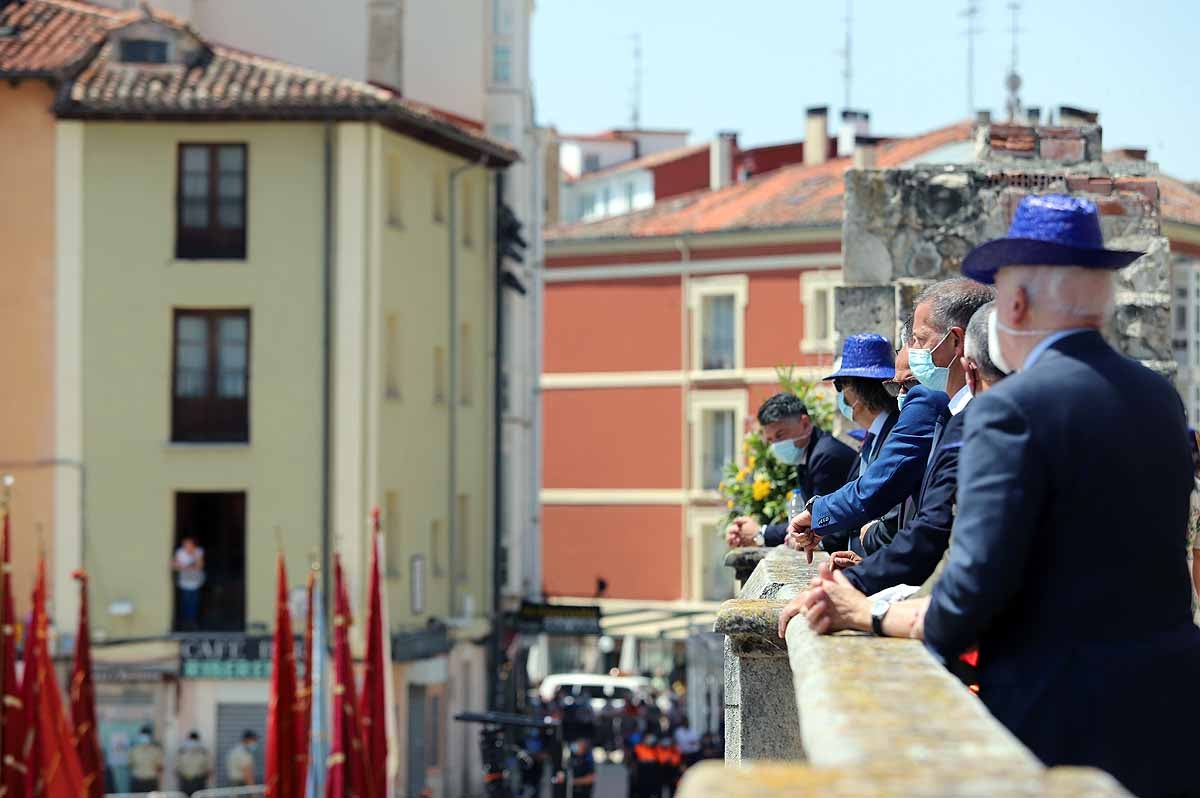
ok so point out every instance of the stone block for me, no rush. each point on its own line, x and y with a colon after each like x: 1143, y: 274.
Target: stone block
x: 860, y: 309
x: 1067, y: 150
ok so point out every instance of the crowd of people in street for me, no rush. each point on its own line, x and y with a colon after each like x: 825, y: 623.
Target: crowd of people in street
x: 1020, y: 502
x: 140, y: 769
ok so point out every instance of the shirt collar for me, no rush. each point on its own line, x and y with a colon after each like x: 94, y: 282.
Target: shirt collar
x: 877, y: 425
x: 1050, y: 340
x: 959, y: 401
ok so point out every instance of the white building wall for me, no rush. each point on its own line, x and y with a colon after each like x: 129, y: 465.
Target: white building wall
x: 445, y: 55
x: 607, y: 195
x: 579, y: 155
x: 1185, y: 332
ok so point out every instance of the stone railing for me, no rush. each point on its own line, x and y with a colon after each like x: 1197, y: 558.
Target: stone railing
x: 852, y: 714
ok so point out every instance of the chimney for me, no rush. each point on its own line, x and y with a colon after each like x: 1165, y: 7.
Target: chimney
x: 720, y: 159
x: 816, y: 135
x: 865, y: 148
x: 1130, y: 153
x: 854, y: 123
x: 1033, y: 115
x: 983, y: 118
x: 1069, y: 116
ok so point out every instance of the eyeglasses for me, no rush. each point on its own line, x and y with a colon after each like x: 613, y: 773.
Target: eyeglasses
x: 894, y: 388
x: 838, y: 385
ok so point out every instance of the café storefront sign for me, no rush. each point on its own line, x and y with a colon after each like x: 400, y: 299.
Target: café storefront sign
x: 228, y: 657
x: 557, y: 619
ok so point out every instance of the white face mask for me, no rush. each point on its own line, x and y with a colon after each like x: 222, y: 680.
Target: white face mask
x: 994, y: 350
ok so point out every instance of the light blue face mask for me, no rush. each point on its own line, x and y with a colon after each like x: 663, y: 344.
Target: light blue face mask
x: 900, y: 400
x: 843, y: 408
x: 932, y: 376
x: 787, y: 452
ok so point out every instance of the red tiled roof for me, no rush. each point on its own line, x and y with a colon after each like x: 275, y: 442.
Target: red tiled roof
x: 796, y: 195
x: 72, y: 41
x: 800, y: 196
x: 645, y: 162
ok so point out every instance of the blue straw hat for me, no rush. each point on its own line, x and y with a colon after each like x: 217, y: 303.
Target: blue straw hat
x: 1048, y: 230
x: 866, y: 355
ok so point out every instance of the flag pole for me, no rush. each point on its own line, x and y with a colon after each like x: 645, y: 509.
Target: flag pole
x: 6, y: 623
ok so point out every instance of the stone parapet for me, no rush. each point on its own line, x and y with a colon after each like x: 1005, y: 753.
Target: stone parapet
x: 744, y: 560
x: 856, y: 715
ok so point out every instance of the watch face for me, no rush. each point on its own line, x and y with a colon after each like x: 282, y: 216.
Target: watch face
x: 879, y: 609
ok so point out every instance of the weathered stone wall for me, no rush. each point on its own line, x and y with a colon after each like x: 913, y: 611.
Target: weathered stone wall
x: 906, y: 228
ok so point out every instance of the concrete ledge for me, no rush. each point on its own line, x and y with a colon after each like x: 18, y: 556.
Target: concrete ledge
x: 781, y: 575
x: 752, y: 625
x: 864, y: 699
x: 947, y: 778
x: 744, y: 560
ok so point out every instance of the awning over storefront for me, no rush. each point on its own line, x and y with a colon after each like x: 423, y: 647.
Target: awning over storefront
x: 671, y: 620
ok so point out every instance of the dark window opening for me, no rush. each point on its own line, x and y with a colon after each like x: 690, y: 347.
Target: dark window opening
x: 217, y: 523
x: 211, y: 202
x: 211, y: 383
x: 143, y: 51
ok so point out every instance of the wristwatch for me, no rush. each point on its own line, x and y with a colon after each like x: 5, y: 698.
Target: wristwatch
x: 879, y: 611
x: 760, y: 539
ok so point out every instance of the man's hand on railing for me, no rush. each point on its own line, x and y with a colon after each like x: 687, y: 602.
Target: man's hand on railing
x: 800, y: 536
x: 741, y: 532
x: 844, y: 559
x: 831, y: 604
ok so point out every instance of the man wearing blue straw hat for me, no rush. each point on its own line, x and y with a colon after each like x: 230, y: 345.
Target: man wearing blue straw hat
x: 893, y: 453
x: 1066, y: 565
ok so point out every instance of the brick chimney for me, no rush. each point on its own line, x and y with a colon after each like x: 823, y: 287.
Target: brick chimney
x: 720, y: 159
x: 1070, y: 116
x: 816, y: 135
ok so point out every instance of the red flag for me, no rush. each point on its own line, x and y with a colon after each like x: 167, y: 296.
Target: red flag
x: 347, y: 775
x: 373, y: 708
x: 12, y: 714
x: 54, y: 770
x: 305, y: 694
x: 281, y: 705
x: 83, y: 701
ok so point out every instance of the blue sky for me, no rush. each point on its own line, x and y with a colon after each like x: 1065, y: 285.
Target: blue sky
x: 754, y: 65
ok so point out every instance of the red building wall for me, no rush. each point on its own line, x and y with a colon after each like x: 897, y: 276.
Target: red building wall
x: 612, y: 438
x: 689, y: 173
x: 638, y: 550
x: 612, y: 325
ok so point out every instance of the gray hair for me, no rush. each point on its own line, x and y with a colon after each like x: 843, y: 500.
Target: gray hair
x: 953, y: 302
x: 975, y: 345
x: 1073, y: 291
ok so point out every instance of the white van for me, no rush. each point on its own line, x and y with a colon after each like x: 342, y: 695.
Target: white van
x: 598, y: 689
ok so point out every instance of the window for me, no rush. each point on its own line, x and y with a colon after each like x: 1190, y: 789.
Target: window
x: 211, y: 377
x: 391, y: 356
x: 817, y: 302
x: 502, y: 133
x: 466, y: 362
x: 502, y: 64
x: 1181, y: 292
x: 604, y: 207
x: 439, y: 375
x: 716, y: 420
x: 585, y: 205
x: 709, y: 578
x: 502, y: 17
x: 439, y: 196
x: 1180, y: 318
x: 719, y: 444
x: 464, y: 528
x: 717, y: 306
x: 391, y: 533
x: 591, y: 162
x: 211, y: 207
x: 416, y: 584
x: 629, y: 196
x: 143, y: 51
x: 716, y: 345
x: 395, y: 188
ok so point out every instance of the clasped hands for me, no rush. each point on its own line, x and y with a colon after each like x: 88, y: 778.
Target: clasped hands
x: 830, y: 604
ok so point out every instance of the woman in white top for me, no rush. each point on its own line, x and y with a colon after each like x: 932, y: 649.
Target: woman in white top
x: 189, y: 567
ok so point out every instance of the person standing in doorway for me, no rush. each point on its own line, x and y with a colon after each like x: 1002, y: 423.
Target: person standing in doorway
x: 189, y: 568
x: 239, y: 762
x: 145, y: 762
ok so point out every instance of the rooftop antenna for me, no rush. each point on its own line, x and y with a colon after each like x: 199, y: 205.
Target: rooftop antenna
x: 1013, y: 81
x: 635, y: 106
x: 847, y: 70
x: 971, y: 13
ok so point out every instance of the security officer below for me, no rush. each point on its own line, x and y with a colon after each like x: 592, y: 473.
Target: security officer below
x: 822, y: 463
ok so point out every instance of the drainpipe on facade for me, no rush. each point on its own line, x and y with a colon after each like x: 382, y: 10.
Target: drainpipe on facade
x: 326, y: 361
x: 498, y: 549
x: 452, y: 530
x: 685, y: 257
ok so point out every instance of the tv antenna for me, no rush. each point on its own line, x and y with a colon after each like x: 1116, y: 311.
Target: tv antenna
x: 635, y: 105
x: 845, y: 52
x: 971, y: 13
x: 1013, y: 81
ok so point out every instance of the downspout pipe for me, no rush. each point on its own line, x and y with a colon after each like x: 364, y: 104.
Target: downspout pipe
x: 452, y: 530
x: 685, y: 345
x: 327, y: 362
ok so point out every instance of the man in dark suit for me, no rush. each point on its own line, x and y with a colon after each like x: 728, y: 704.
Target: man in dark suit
x: 1087, y: 650
x: 893, y: 455
x: 910, y: 559
x: 822, y: 463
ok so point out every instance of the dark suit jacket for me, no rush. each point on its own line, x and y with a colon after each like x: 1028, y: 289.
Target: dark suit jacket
x: 1068, y: 566
x: 827, y: 464
x: 911, y: 557
x: 893, y: 475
